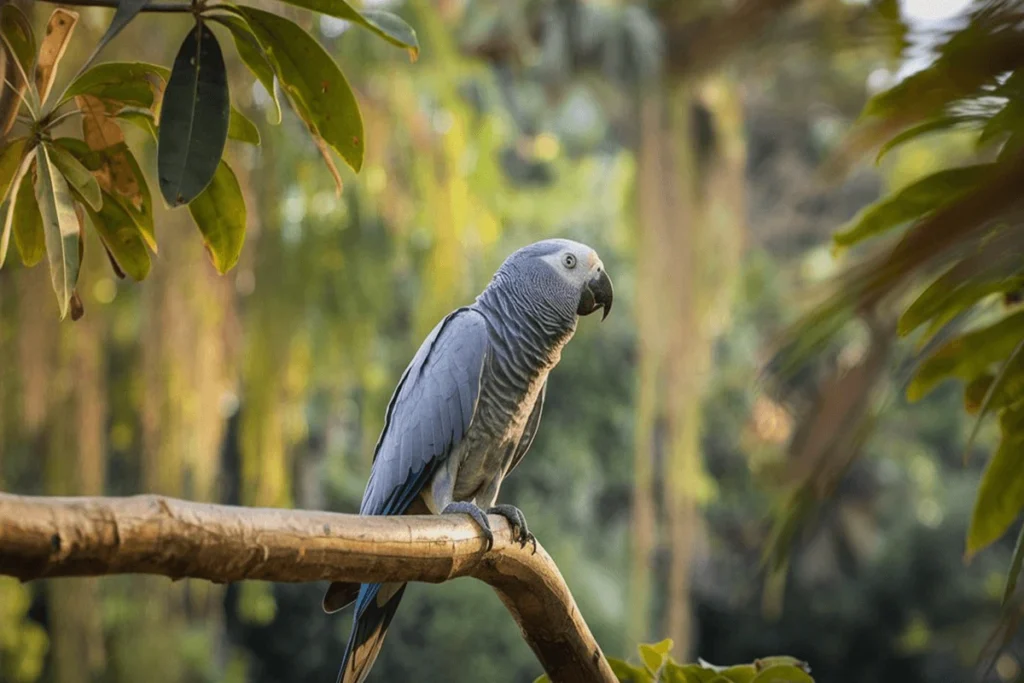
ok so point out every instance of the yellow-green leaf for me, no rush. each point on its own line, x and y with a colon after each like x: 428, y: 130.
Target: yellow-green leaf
x: 78, y: 176
x: 121, y: 237
x: 28, y: 223
x: 312, y: 81
x: 652, y: 658
x: 627, y: 673
x: 10, y: 161
x: 60, y: 226
x: 969, y: 355
x: 783, y: 673
x: 1001, y: 494
x: 125, y: 82
x: 242, y: 129
x: 386, y: 25
x: 5, y: 235
x: 252, y: 55
x: 912, y: 202
x: 219, y: 213
x: 941, y: 123
x: 16, y: 33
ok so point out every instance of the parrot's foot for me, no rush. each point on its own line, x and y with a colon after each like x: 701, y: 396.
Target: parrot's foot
x: 515, y: 517
x: 461, y: 507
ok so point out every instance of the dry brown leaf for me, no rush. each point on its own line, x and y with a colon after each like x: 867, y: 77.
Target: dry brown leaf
x: 58, y: 34
x: 101, y: 132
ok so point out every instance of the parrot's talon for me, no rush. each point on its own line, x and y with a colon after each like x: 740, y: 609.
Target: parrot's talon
x: 520, y: 532
x: 461, y: 507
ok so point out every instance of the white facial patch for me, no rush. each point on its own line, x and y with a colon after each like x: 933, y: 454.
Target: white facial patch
x: 586, y: 261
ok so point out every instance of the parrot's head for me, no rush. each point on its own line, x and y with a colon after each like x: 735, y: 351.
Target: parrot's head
x: 565, y: 277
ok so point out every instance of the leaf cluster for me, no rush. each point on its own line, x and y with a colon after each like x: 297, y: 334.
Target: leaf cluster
x: 658, y: 666
x: 50, y: 184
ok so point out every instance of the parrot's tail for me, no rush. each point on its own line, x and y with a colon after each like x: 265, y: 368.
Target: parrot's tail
x: 375, y: 607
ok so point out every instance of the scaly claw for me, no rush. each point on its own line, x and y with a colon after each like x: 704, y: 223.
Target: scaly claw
x: 516, y: 519
x: 460, y: 507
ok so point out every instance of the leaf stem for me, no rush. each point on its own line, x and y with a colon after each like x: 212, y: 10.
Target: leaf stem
x: 185, y: 8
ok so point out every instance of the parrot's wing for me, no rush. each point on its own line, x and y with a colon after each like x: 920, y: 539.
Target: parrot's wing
x: 530, y: 430
x: 429, y: 412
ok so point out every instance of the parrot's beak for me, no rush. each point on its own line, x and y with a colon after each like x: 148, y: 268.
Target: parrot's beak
x: 597, y: 293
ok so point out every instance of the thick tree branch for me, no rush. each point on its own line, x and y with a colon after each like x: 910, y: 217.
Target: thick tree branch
x: 44, y: 537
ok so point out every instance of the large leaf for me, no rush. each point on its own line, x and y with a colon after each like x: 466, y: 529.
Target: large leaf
x: 1001, y: 494
x: 121, y: 237
x: 193, y: 118
x: 916, y: 200
x: 124, y: 82
x: 28, y: 223
x: 120, y: 176
x: 19, y: 178
x: 386, y: 25
x: 60, y: 226
x: 58, y: 34
x: 78, y: 176
x: 125, y: 12
x: 969, y: 355
x: 219, y: 213
x: 10, y: 161
x: 313, y: 83
x: 252, y: 55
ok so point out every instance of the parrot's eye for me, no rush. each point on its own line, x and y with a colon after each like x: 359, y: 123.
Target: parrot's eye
x: 569, y: 261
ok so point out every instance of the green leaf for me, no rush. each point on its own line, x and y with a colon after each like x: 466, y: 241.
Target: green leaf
x: 219, y: 212
x: 252, y: 55
x: 628, y: 673
x: 695, y: 673
x: 386, y: 25
x: 16, y: 32
x: 1012, y: 368
x: 5, y: 236
x: 60, y: 226
x: 125, y: 12
x: 783, y: 673
x: 28, y: 224
x: 1015, y: 566
x: 652, y: 658
x: 968, y: 355
x: 313, y: 83
x: 1001, y: 494
x: 140, y: 118
x: 10, y: 161
x: 543, y: 678
x: 912, y: 202
x: 744, y: 673
x: 124, y: 82
x: 935, y: 125
x: 121, y: 237
x: 242, y: 129
x: 193, y: 118
x: 78, y: 176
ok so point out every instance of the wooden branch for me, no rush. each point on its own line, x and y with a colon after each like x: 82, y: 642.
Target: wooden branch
x: 151, y: 7
x: 42, y: 537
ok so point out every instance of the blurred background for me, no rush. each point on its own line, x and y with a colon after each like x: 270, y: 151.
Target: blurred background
x: 684, y: 141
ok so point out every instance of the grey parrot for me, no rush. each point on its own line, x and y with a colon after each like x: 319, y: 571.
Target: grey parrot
x: 466, y: 411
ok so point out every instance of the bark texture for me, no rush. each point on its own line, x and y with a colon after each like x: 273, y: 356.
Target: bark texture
x: 45, y: 537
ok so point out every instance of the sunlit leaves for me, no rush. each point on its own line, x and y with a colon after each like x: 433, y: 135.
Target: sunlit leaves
x: 126, y: 83
x: 10, y: 160
x: 28, y: 223
x: 1001, y: 495
x: 121, y: 237
x: 936, y: 125
x: 251, y: 53
x: 386, y: 25
x: 313, y: 83
x: 219, y: 213
x: 78, y: 176
x: 60, y: 227
x: 193, y: 118
x: 242, y: 129
x: 19, y: 178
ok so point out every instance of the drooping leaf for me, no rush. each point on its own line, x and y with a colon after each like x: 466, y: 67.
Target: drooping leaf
x: 313, y: 83
x: 242, y: 129
x: 252, y: 55
x: 121, y: 237
x: 1015, y: 566
x: 60, y: 226
x: 219, y: 213
x: 1012, y: 368
x: 940, y: 123
x: 1001, y: 494
x: 102, y: 134
x: 914, y: 201
x: 969, y: 355
x: 78, y: 176
x: 125, y: 82
x: 386, y: 25
x: 5, y: 235
x: 28, y: 223
x: 194, y: 118
x: 10, y: 161
x: 125, y: 12
x: 119, y: 175
x: 55, y: 42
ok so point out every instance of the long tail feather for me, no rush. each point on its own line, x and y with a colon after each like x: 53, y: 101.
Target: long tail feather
x: 375, y: 607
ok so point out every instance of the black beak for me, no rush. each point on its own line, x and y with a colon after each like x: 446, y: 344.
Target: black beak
x: 597, y: 294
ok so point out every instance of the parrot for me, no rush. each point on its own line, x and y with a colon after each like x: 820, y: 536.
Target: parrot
x: 466, y: 411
